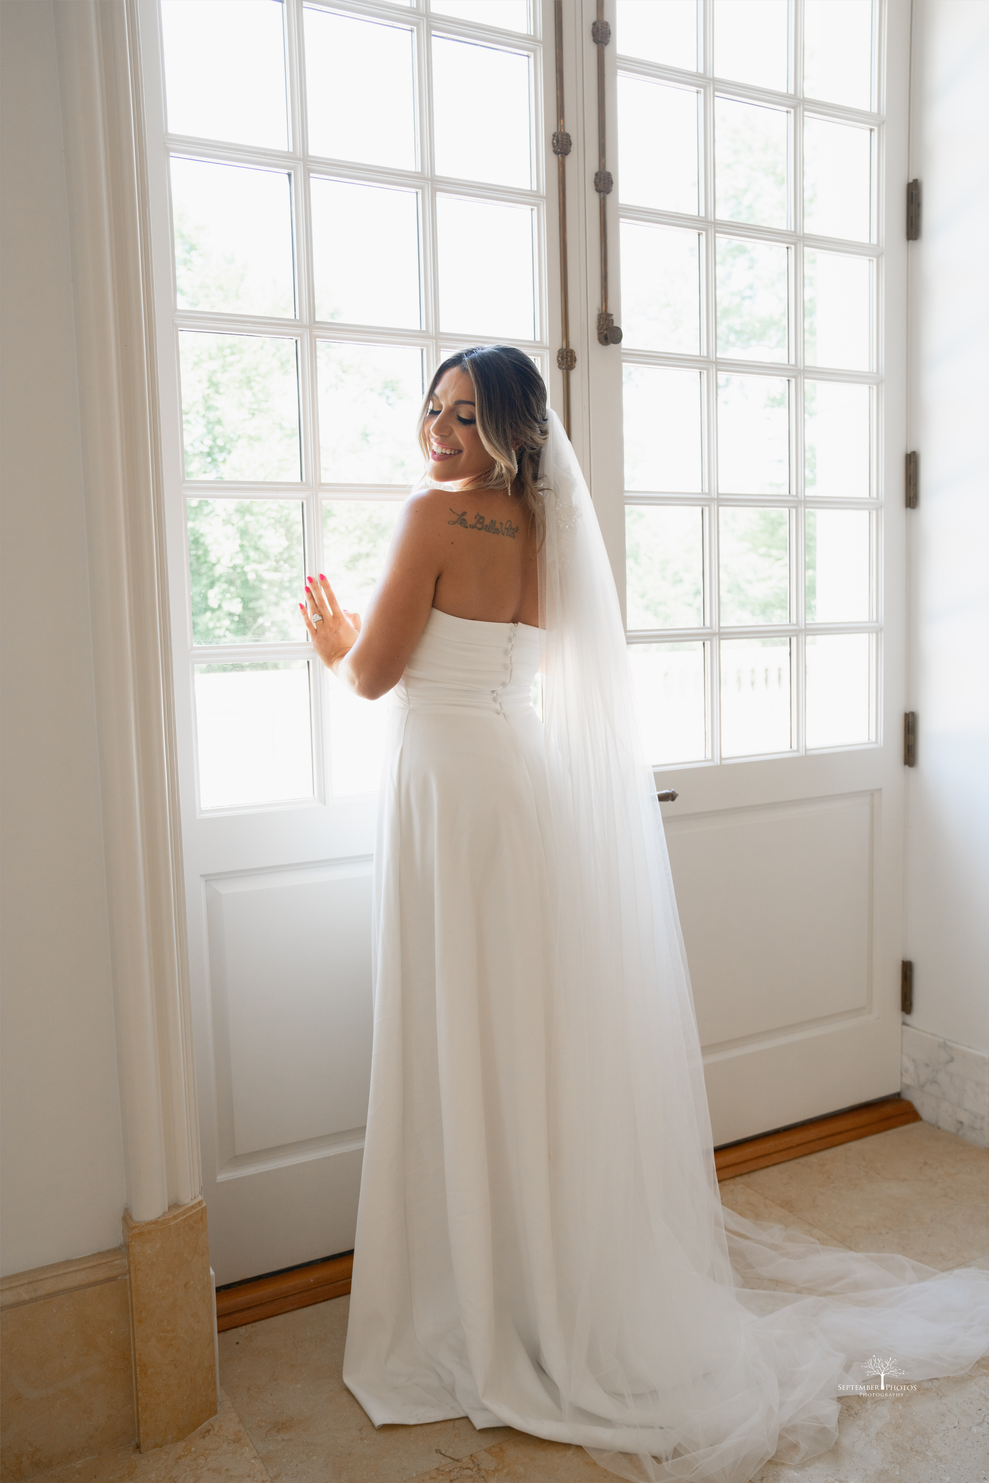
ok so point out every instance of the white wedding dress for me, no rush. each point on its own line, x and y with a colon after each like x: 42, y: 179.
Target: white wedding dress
x: 540, y: 1240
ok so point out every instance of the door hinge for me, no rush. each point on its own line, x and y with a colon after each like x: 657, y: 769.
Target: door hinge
x: 912, y: 481
x: 906, y: 986
x: 913, y: 210
x: 910, y: 739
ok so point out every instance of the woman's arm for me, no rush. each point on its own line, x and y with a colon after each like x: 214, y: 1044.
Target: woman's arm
x: 370, y: 655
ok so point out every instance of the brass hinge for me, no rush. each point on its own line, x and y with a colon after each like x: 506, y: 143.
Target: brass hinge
x: 604, y: 182
x: 912, y: 481
x: 906, y: 986
x: 913, y: 210
x: 566, y: 358
x: 562, y: 143
x: 910, y: 739
x: 600, y: 33
x: 609, y: 333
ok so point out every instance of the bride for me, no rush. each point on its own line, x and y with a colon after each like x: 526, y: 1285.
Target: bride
x: 540, y: 1241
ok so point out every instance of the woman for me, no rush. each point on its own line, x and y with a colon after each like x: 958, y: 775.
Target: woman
x: 540, y: 1240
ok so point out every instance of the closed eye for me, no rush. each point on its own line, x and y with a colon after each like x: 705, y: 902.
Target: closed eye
x: 464, y: 421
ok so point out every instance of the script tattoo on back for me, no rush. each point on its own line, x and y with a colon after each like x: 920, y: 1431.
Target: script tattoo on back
x: 493, y: 527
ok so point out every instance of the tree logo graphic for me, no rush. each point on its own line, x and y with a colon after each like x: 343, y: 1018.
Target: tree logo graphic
x: 882, y: 1368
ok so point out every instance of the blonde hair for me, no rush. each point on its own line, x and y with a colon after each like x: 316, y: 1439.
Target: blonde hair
x: 510, y: 407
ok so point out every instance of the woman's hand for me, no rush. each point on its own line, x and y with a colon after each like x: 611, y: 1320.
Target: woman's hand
x: 332, y: 629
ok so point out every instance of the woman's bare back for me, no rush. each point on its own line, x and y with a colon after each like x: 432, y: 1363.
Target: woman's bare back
x: 490, y: 557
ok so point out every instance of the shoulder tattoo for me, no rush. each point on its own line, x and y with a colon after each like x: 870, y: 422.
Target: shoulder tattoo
x: 492, y: 527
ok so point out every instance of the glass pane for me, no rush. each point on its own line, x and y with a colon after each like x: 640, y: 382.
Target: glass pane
x: 370, y: 397
x: 839, y: 689
x: 664, y: 178
x: 670, y: 698
x: 837, y: 439
x: 839, y: 565
x: 491, y: 244
x: 360, y: 79
x: 662, y: 412
x: 838, y: 311
x: 753, y: 435
x: 356, y: 534
x: 246, y: 570
x: 233, y: 239
x: 755, y: 696
x: 509, y: 15
x: 463, y: 73
x: 751, y: 42
x: 664, y: 566
x: 753, y: 299
x: 253, y: 731
x: 754, y: 559
x: 750, y: 162
x: 838, y: 51
x: 225, y: 71
x: 658, y: 31
x: 240, y: 406
x: 366, y: 253
x: 837, y: 180
x: 661, y: 288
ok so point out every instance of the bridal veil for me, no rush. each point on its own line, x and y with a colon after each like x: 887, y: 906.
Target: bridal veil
x: 694, y: 1344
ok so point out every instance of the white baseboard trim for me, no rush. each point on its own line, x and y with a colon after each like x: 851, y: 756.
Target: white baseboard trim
x: 947, y: 1083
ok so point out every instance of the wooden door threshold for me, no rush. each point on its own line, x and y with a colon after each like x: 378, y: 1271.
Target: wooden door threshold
x: 810, y: 1137
x: 316, y: 1282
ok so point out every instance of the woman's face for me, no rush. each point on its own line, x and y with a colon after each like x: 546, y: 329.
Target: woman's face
x: 456, y: 453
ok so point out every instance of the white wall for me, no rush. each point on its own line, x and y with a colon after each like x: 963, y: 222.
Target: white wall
x: 948, y: 792
x: 63, y: 1174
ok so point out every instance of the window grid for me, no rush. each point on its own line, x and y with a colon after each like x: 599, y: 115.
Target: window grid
x: 424, y: 20
x: 794, y: 368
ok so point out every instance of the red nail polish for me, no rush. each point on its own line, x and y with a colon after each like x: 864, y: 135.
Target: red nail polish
x: 322, y: 576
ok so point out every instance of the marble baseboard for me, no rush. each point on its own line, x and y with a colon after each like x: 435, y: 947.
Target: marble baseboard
x: 948, y: 1084
x: 66, y: 1376
x: 173, y: 1323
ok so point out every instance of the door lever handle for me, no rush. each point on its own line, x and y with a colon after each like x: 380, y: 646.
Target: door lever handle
x: 668, y: 795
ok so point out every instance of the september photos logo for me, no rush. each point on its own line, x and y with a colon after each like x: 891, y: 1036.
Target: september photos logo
x: 886, y: 1369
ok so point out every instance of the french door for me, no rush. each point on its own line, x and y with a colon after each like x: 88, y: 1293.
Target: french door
x: 342, y: 192
x: 761, y: 174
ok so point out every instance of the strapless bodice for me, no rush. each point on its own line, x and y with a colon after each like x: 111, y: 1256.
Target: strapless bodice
x: 464, y: 662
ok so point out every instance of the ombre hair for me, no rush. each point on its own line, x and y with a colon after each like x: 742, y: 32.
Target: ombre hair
x: 510, y: 407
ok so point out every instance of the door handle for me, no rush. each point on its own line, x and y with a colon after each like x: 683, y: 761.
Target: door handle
x: 668, y: 795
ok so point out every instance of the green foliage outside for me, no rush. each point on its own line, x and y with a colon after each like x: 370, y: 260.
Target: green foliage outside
x: 246, y: 570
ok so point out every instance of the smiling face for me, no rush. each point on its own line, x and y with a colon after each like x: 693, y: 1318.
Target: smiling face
x: 456, y: 453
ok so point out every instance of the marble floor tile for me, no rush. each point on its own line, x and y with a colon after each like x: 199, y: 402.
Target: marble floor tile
x: 220, y: 1450
x: 915, y: 1190
x: 922, y: 1194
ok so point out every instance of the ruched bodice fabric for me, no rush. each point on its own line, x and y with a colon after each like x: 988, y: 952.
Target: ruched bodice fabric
x: 465, y: 662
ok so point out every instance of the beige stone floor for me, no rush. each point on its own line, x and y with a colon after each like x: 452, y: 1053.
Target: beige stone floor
x: 287, y: 1416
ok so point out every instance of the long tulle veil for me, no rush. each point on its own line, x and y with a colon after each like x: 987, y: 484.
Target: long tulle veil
x: 692, y: 1344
